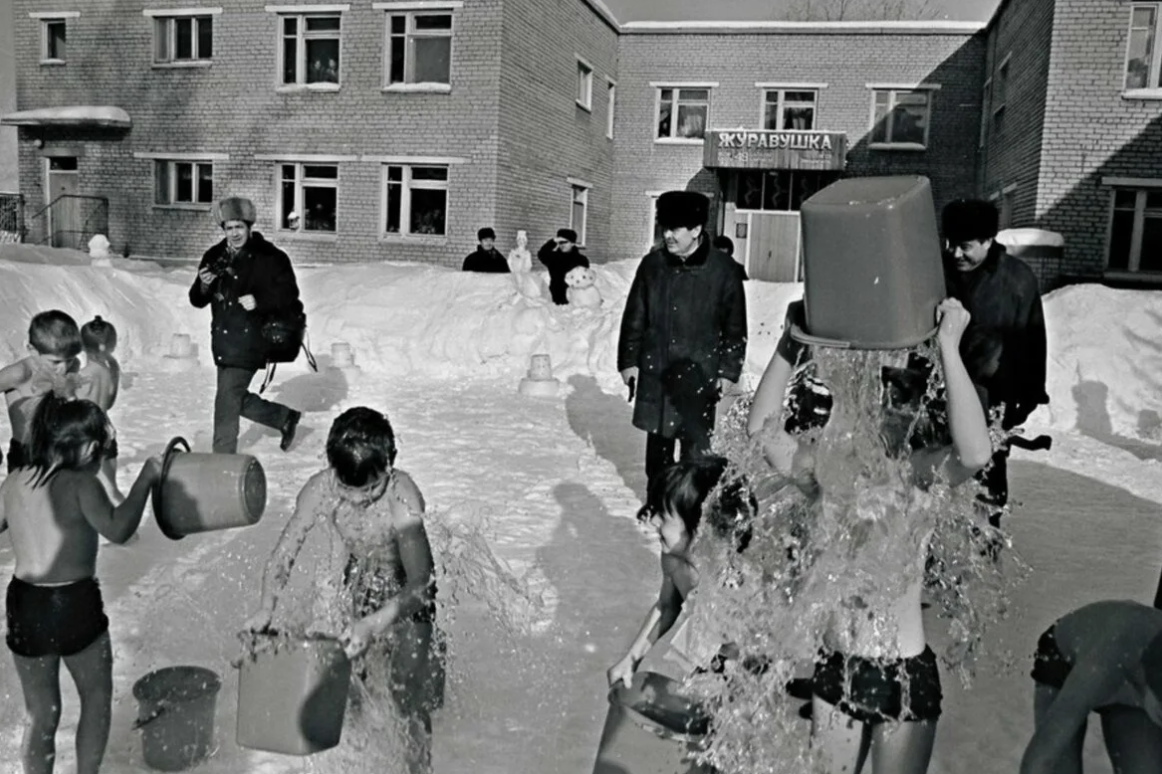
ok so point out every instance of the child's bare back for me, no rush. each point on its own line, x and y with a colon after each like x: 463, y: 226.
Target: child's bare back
x: 99, y: 382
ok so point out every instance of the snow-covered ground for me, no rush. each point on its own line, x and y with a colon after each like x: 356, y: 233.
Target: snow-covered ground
x: 556, y: 481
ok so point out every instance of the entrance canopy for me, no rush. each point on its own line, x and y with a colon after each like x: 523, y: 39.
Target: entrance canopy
x: 770, y: 149
x: 70, y: 115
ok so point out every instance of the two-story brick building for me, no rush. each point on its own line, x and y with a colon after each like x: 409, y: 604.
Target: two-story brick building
x: 395, y: 129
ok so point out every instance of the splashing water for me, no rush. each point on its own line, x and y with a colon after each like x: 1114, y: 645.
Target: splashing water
x: 836, y: 559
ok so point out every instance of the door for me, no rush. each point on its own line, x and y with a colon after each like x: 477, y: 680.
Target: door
x: 773, y: 247
x: 65, y: 226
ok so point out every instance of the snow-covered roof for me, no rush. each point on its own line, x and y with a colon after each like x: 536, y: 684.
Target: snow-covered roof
x: 70, y: 115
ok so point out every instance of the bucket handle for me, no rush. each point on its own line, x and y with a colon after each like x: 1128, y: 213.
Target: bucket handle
x: 167, y: 460
x: 158, y: 711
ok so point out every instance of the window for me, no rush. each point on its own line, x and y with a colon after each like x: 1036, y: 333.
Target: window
x: 611, y: 104
x: 419, y: 49
x: 415, y: 200
x: 1135, y: 237
x: 183, y: 182
x: 789, y: 109
x: 682, y: 113
x: 311, y: 190
x: 310, y: 50
x: 1001, y: 87
x: 584, y: 84
x: 779, y: 190
x: 53, y: 35
x: 901, y: 118
x: 985, y: 110
x: 183, y: 39
x: 579, y: 212
x: 1142, y: 47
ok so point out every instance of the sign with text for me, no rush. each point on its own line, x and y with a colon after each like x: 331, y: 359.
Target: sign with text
x: 769, y: 149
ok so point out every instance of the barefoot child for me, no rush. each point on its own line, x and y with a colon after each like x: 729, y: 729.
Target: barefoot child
x: 1105, y: 657
x: 377, y: 511
x: 99, y: 381
x: 53, y: 345
x: 54, y: 509
x: 876, y: 686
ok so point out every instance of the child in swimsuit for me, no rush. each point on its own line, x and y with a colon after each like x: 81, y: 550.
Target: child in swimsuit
x: 99, y: 381
x: 377, y: 511
x: 875, y: 667
x: 53, y: 345
x: 54, y: 509
x: 1105, y: 657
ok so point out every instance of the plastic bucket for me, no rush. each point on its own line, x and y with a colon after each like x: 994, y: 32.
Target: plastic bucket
x: 872, y: 264
x: 292, y: 695
x: 206, y: 492
x: 176, y: 716
x: 651, y: 729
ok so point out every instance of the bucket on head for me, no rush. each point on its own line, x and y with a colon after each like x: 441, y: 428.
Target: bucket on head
x: 872, y: 264
x: 204, y: 492
x: 652, y: 729
x: 176, y: 708
x: 292, y: 695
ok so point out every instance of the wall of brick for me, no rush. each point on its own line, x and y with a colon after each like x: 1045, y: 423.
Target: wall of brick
x: 545, y: 137
x: 1091, y: 130
x: 736, y: 61
x: 233, y: 107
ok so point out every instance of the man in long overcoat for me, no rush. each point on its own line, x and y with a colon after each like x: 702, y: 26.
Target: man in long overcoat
x: 683, y: 333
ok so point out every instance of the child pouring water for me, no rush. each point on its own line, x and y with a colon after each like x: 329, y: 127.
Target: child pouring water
x: 377, y: 512
x: 54, y: 508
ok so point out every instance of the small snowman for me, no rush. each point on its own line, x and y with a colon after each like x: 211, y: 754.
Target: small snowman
x: 99, y: 250
x: 581, y: 290
x: 520, y: 263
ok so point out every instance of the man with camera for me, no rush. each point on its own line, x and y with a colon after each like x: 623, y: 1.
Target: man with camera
x: 560, y: 255
x: 247, y: 282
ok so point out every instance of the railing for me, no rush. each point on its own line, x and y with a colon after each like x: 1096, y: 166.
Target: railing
x: 11, y: 218
x: 71, y: 220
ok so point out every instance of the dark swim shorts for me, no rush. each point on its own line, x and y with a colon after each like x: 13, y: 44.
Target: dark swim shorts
x: 373, y: 589
x: 873, y: 690
x: 54, y: 620
x: 1049, y: 666
x: 17, y: 458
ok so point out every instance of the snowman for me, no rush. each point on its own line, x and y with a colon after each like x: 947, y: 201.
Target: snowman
x: 581, y: 291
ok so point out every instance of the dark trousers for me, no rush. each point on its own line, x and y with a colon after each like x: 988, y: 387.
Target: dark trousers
x: 235, y: 400
x: 660, y: 451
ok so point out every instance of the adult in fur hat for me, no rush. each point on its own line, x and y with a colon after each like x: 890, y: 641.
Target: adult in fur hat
x: 244, y: 279
x: 683, y: 333
x: 1001, y: 294
x: 560, y: 255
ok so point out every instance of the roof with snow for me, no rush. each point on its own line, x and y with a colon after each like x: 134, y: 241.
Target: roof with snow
x: 70, y: 115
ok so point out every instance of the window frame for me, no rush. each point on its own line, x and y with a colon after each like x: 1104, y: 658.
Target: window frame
x: 610, y: 106
x: 579, y: 194
x: 171, y: 163
x: 584, y: 96
x: 169, y: 18
x: 1000, y: 84
x: 410, y: 10
x: 927, y: 89
x: 1141, y: 189
x: 47, y: 19
x: 781, y: 105
x: 677, y: 87
x: 407, y: 184
x: 986, y: 98
x: 301, y: 14
x: 1153, y: 87
x: 301, y: 181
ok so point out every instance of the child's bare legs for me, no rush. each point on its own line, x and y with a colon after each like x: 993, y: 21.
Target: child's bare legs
x: 40, y: 682
x: 410, y: 664
x: 902, y: 748
x: 1070, y: 761
x: 92, y: 671
x: 840, y: 739
x: 844, y: 743
x: 1133, y: 741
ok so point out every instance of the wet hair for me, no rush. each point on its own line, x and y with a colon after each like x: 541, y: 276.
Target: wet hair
x: 54, y: 333
x: 1152, y: 666
x: 60, y: 430
x: 685, y: 487
x: 981, y: 351
x: 99, y: 335
x: 724, y: 243
x: 360, y: 446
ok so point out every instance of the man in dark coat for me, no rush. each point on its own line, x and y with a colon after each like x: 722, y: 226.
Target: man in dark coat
x: 1001, y: 294
x: 486, y: 258
x: 683, y: 333
x: 560, y: 255
x: 244, y: 279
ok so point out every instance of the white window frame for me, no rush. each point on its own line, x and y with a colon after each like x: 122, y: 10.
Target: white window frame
x: 168, y: 18
x: 781, y: 103
x: 1153, y: 87
x: 302, y: 13
x: 301, y: 181
x: 1000, y: 95
x: 579, y: 194
x: 584, y: 96
x: 407, y: 185
x: 676, y: 87
x: 610, y: 106
x: 894, y: 88
x: 171, y: 161
x: 1141, y: 187
x: 410, y: 10
x: 48, y: 18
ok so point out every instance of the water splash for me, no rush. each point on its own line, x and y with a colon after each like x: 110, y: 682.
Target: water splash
x: 831, y: 555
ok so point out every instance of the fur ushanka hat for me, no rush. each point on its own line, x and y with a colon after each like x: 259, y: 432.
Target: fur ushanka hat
x: 236, y: 208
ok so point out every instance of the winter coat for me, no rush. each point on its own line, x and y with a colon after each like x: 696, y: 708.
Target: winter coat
x: 1003, y: 298
x: 559, y: 264
x: 259, y: 269
x: 684, y: 327
x: 487, y: 261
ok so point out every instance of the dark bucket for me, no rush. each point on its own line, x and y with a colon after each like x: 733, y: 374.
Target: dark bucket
x: 205, y: 492
x: 176, y: 707
x: 652, y: 729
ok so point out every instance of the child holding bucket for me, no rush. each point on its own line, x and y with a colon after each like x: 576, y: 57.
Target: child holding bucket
x: 377, y: 511
x: 54, y: 508
x: 876, y: 686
